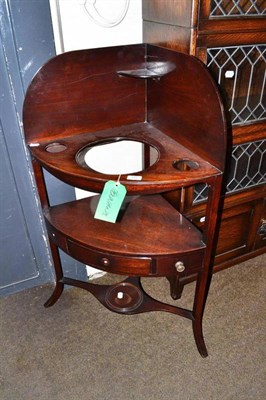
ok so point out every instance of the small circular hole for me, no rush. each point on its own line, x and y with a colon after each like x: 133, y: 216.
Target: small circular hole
x: 55, y: 147
x: 185, y: 165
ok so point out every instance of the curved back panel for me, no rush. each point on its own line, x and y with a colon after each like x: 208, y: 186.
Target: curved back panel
x: 186, y: 105
x: 80, y: 91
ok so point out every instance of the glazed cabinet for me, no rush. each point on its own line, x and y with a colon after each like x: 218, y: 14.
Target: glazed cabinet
x: 229, y: 37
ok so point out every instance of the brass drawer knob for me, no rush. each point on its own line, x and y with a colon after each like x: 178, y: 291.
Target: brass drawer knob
x: 179, y: 265
x: 105, y: 262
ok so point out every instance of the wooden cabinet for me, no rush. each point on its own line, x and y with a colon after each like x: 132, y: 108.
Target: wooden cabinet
x: 229, y: 37
x: 260, y: 241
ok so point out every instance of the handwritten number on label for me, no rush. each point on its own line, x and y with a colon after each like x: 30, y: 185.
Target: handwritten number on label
x: 110, y: 201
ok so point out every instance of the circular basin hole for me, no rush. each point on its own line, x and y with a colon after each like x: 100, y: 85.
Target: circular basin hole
x: 55, y: 147
x: 185, y: 165
x: 117, y: 156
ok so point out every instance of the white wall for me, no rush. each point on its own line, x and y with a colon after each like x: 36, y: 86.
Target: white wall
x: 80, y: 24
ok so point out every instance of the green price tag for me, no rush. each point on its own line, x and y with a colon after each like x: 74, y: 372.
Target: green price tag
x: 110, y: 201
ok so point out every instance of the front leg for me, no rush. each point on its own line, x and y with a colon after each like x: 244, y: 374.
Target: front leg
x: 59, y: 285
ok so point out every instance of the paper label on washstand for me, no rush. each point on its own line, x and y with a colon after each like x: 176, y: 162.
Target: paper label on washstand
x: 110, y: 201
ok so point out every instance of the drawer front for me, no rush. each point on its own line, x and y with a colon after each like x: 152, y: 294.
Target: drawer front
x: 56, y: 236
x: 184, y: 264
x: 138, y: 266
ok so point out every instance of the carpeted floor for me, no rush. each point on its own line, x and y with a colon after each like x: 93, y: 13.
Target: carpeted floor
x: 79, y: 350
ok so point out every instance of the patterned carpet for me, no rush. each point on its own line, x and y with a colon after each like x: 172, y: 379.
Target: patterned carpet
x: 79, y: 350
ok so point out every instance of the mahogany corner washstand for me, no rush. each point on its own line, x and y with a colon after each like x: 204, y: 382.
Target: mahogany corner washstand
x: 168, y: 102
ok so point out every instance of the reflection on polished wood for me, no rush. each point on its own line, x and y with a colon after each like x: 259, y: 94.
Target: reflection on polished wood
x: 80, y: 99
x: 232, y: 43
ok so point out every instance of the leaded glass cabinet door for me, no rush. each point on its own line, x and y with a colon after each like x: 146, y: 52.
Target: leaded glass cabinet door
x: 241, y: 74
x: 233, y: 48
x: 229, y: 36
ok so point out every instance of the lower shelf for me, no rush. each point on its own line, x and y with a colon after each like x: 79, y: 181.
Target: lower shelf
x: 151, y: 238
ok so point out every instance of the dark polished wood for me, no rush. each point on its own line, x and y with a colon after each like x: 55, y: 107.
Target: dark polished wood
x: 132, y: 288
x: 162, y: 172
x: 143, y: 93
x: 72, y: 100
x: 235, y: 24
x: 148, y: 239
x: 186, y: 25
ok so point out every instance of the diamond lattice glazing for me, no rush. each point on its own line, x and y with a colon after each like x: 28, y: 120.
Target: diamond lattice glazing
x: 237, y: 8
x: 247, y: 169
x: 241, y: 73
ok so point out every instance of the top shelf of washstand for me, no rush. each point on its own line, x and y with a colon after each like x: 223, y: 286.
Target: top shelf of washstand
x: 82, y: 98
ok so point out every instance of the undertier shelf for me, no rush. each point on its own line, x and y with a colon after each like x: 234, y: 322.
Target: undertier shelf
x: 149, y: 238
